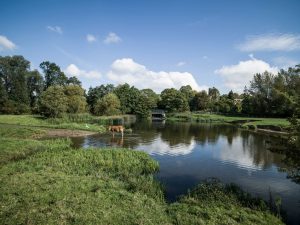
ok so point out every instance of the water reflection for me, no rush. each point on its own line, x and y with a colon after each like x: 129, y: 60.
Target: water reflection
x: 189, y: 153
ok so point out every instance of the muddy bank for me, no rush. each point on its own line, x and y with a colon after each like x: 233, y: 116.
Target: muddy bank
x: 67, y: 133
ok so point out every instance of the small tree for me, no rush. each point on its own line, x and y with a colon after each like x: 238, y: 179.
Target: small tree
x: 76, y: 100
x: 53, y: 102
x: 108, y: 105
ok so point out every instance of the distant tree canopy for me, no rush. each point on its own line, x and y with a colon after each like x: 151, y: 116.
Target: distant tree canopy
x: 108, y: 105
x: 273, y: 95
x: 27, y: 91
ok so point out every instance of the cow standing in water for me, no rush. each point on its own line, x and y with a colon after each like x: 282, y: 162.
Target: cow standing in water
x: 114, y: 129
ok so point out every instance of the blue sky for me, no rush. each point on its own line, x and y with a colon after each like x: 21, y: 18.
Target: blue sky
x: 156, y: 44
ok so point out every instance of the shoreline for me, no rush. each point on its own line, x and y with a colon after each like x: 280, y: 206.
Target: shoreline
x: 52, y: 133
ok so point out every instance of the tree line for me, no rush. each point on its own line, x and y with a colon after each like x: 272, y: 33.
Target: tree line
x: 52, y: 94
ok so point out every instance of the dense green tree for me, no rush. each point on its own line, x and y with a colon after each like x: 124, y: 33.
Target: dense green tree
x: 53, y: 102
x: 213, y: 94
x: 13, y: 71
x: 150, y: 97
x: 189, y: 93
x: 273, y: 95
x: 230, y: 95
x: 201, y: 101
x: 129, y: 97
x: 108, y: 105
x: 76, y: 101
x: 94, y: 94
x: 73, y: 81
x: 53, y: 75
x: 173, y: 100
x: 34, y: 86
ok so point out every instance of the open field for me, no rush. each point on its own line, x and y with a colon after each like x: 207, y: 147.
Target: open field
x: 48, y: 182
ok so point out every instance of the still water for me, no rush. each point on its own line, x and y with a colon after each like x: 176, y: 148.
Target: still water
x: 188, y: 153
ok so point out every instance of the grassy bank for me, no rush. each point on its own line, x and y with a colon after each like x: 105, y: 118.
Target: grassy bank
x: 48, y: 182
x: 278, y: 124
x: 84, y: 122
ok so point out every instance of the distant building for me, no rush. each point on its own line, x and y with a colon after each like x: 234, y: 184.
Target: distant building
x: 158, y: 114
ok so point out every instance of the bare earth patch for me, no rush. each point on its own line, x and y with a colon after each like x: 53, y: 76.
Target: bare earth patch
x: 67, y: 133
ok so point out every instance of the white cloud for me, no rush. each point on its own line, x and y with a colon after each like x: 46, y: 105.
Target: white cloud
x: 181, y: 63
x: 73, y: 70
x: 91, y: 38
x: 5, y: 43
x: 128, y: 71
x: 236, y: 77
x: 271, y: 42
x: 112, y: 38
x: 55, y: 29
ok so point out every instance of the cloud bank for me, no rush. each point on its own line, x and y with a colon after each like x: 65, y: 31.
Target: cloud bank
x: 73, y: 70
x: 6, y: 44
x: 237, y: 76
x: 126, y: 70
x: 271, y: 42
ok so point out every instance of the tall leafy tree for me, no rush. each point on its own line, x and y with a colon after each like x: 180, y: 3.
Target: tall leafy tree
x: 150, y: 97
x: 128, y: 97
x: 201, y: 101
x: 108, y: 105
x: 173, y: 100
x: 213, y: 94
x: 94, y: 94
x: 13, y: 71
x: 53, y: 102
x: 76, y: 101
x: 73, y: 81
x: 34, y: 86
x: 53, y: 75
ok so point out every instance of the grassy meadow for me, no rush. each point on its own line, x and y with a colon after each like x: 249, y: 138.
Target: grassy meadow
x: 48, y: 182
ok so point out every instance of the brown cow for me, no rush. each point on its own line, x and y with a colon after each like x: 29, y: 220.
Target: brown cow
x: 114, y: 129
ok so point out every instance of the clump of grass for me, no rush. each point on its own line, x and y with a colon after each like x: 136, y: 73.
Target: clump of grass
x: 14, y: 150
x: 215, y: 203
x: 20, y: 132
x: 84, y: 187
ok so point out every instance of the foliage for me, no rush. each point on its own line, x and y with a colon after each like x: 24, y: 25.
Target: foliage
x: 53, y: 75
x: 200, y: 101
x: 73, y: 81
x: 273, y: 95
x: 13, y: 87
x: 35, y: 87
x: 53, y: 102
x: 76, y: 101
x: 214, y: 203
x: 94, y: 94
x: 173, y: 100
x: 108, y: 105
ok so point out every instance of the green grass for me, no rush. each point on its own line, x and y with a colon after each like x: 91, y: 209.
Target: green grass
x: 268, y: 123
x: 85, y: 122
x: 48, y: 182
x: 38, y: 121
x: 216, y: 203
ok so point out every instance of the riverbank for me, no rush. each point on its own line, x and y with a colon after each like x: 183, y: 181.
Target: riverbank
x: 49, y: 182
x: 253, y: 123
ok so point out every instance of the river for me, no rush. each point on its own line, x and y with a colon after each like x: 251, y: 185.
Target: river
x: 189, y: 153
